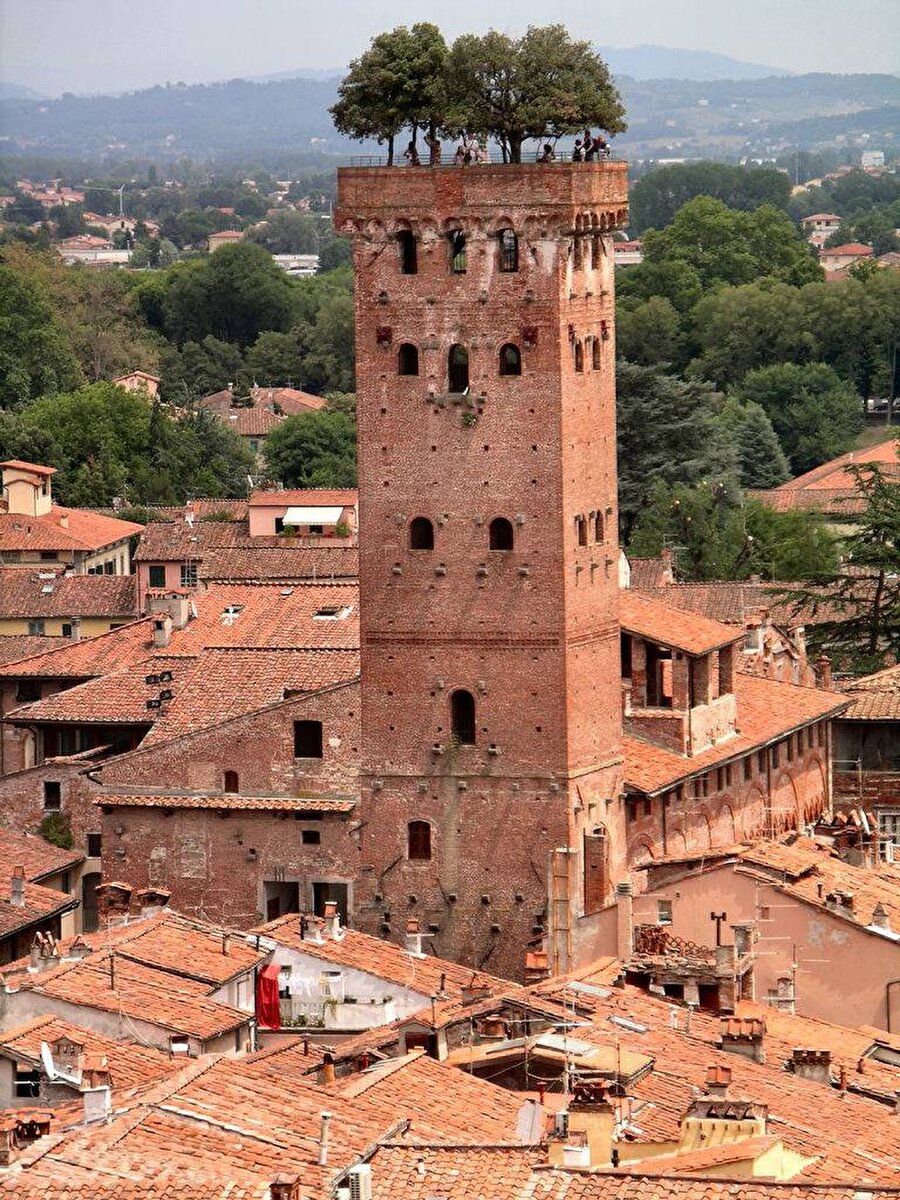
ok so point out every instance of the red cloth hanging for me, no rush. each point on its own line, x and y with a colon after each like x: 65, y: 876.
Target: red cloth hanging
x: 268, y: 1007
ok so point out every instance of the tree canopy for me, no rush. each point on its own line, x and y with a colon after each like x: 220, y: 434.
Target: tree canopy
x: 656, y: 198
x: 540, y: 85
x: 313, y: 450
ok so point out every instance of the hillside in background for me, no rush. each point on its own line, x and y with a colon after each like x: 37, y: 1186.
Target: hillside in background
x: 664, y: 62
x: 287, y: 119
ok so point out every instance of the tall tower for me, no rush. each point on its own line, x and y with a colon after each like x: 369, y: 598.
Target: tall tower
x: 491, y: 694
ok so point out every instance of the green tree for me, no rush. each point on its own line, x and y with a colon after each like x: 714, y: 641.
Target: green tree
x: 233, y: 294
x: 760, y: 458
x: 398, y: 81
x: 275, y: 359
x: 328, y: 364
x: 857, y: 604
x: 725, y: 246
x: 648, y: 333
x: 541, y: 85
x: 815, y: 414
x: 198, y: 369
x: 68, y: 219
x: 658, y: 195
x: 35, y: 355
x: 313, y: 450
x: 667, y: 430
x: 737, y: 329
x: 335, y: 252
x: 289, y: 232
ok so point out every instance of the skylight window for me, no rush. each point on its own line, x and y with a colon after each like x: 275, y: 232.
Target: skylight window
x: 332, y: 612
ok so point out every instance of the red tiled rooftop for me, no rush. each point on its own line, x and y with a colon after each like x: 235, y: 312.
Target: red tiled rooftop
x: 40, y: 905
x: 327, y: 497
x: 14, y: 647
x: 38, y: 857
x: 83, y: 530
x: 227, y: 802
x: 34, y: 594
x: 848, y: 248
x: 766, y: 712
x: 874, y: 697
x: 658, y: 622
x: 835, y: 474
x: 16, y: 464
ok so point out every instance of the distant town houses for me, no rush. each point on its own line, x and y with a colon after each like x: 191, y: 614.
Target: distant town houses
x: 254, y: 416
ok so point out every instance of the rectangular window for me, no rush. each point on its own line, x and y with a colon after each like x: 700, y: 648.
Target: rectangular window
x: 36, y: 628
x: 729, y: 774
x: 157, y: 575
x: 109, y: 568
x: 67, y: 629
x: 648, y: 807
x: 776, y: 756
x: 820, y: 729
x: 664, y: 912
x: 48, y: 556
x: 761, y: 761
x: 28, y: 690
x: 188, y: 575
x: 52, y: 795
x: 316, y: 530
x: 94, y: 845
x: 28, y: 1082
x: 307, y: 739
x: 310, y: 837
x: 748, y: 769
x: 810, y: 737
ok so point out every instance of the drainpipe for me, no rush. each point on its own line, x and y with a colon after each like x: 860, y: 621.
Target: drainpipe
x: 887, y: 1000
x: 770, y: 831
x: 829, y: 774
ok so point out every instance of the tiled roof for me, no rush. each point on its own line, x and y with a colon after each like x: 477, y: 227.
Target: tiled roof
x: 130, y: 1063
x: 649, y: 574
x: 834, y: 473
x: 251, y: 422
x: 227, y: 802
x: 37, y: 857
x: 84, y: 530
x: 175, y: 541
x: 732, y: 603
x: 117, y: 983
x: 766, y: 711
x: 284, y: 564
x: 811, y: 873
x: 837, y: 502
x: 288, y: 497
x: 658, y: 622
x: 291, y: 401
x: 27, y: 594
x: 40, y: 904
x: 117, y: 698
x: 386, y: 960
x: 848, y: 248
x: 90, y: 657
x: 874, y: 697
x: 50, y: 1180
x: 14, y: 647
x: 16, y: 464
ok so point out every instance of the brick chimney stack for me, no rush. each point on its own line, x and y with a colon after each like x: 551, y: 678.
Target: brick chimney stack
x: 17, y: 888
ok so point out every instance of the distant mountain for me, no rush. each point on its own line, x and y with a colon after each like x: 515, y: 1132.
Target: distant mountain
x: 18, y: 91
x: 664, y: 62
x: 301, y: 73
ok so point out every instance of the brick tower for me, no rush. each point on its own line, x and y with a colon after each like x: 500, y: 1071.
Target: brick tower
x: 491, y: 695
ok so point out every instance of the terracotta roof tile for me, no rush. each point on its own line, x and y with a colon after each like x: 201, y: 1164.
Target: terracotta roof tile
x: 285, y: 564
x: 38, y: 857
x: 345, y: 497
x: 874, y: 697
x: 767, y: 710
x: 834, y: 473
x: 14, y: 647
x: 659, y: 622
x: 83, y: 530
x: 33, y: 594
x: 291, y: 401
x: 227, y: 802
x: 251, y: 422
x: 40, y: 904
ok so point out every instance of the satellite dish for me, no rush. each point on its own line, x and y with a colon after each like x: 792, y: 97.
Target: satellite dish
x: 47, y: 1060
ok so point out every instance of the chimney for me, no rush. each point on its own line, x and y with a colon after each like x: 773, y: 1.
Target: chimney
x: 310, y: 928
x: 414, y: 939
x: 162, y: 631
x: 332, y: 920
x: 327, y: 1070
x: 718, y: 1081
x: 880, y: 919
x: 75, y: 623
x: 476, y: 989
x: 823, y: 671
x: 78, y: 949
x: 323, y: 1139
x: 812, y: 1064
x: 113, y: 901
x: 585, y: 1133
x: 17, y: 888
x: 285, y: 1187
x: 152, y: 900
x: 64, y: 520
x: 624, y: 922
x: 9, y: 1143
x: 743, y: 1035
x: 97, y: 1103
x: 226, y: 942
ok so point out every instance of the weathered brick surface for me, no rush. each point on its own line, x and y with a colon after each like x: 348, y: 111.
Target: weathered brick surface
x: 532, y: 633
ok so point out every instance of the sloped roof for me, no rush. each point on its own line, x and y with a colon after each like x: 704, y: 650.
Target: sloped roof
x: 225, y: 801
x: 252, y: 422
x: 34, y: 594
x: 306, y: 497
x: 286, y: 563
x: 858, y: 248
x: 38, y: 857
x: 84, y: 530
x: 767, y: 710
x: 14, y: 647
x: 16, y: 464
x: 40, y: 904
x: 835, y: 474
x: 658, y: 622
x: 874, y: 697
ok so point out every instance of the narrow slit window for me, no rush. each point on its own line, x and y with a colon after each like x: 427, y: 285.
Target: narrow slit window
x: 598, y: 527
x: 418, y: 841
x: 409, y: 259
x: 581, y: 530
x: 408, y: 359
x: 231, y: 782
x: 462, y: 717
x: 509, y: 250
x: 500, y: 532
x: 579, y: 356
x: 595, y: 354
x: 510, y: 360
x: 421, y: 534
x: 457, y: 241
x: 458, y: 370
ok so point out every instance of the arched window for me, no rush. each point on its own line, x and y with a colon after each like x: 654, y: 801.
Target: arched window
x: 462, y: 717
x: 458, y: 369
x: 457, y: 241
x: 421, y: 534
x: 598, y: 527
x: 500, y: 533
x: 409, y: 260
x: 581, y: 530
x: 510, y: 360
x: 418, y: 841
x: 579, y: 356
x: 408, y: 359
x: 231, y: 782
x: 595, y: 354
x: 509, y: 250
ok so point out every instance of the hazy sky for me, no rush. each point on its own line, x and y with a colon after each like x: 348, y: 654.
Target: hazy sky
x: 117, y: 45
